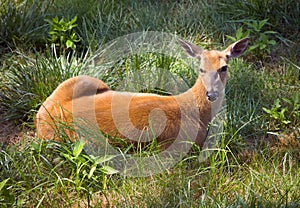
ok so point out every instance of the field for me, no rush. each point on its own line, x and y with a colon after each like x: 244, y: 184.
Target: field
x: 256, y: 160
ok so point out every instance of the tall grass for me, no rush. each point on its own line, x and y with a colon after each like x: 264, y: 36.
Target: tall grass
x: 30, y: 79
x: 22, y: 23
x: 282, y: 15
x: 265, y: 178
x: 48, y: 170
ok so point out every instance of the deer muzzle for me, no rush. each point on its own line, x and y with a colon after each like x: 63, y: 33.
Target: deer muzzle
x: 212, y: 95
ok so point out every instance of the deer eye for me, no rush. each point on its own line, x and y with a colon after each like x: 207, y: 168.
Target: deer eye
x: 202, y: 71
x: 223, y: 69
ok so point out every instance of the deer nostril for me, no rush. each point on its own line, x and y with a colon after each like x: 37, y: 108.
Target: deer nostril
x: 212, y: 96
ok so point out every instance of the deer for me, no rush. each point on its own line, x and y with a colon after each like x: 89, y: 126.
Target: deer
x: 140, y: 117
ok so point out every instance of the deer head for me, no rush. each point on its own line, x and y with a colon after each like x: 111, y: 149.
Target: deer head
x: 213, y: 65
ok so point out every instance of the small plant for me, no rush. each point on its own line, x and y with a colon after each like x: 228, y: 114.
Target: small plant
x: 86, y: 166
x: 278, y: 113
x: 62, y: 33
x: 261, y: 40
x: 240, y: 34
x: 284, y: 113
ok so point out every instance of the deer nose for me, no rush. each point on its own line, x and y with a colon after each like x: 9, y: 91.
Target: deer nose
x: 212, y: 96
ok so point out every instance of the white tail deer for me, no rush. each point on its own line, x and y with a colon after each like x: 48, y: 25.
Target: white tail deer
x: 137, y: 115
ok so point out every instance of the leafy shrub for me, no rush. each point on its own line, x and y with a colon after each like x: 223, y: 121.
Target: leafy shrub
x: 284, y: 112
x: 261, y: 40
x: 62, y: 33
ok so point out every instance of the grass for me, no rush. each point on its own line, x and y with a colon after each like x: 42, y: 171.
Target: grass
x: 264, y: 178
x: 25, y: 78
x: 256, y: 163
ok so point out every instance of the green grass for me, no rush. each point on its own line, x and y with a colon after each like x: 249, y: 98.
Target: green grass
x: 264, y: 178
x: 256, y: 163
x: 29, y: 79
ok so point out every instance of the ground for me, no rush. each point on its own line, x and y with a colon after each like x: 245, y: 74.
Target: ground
x: 10, y: 133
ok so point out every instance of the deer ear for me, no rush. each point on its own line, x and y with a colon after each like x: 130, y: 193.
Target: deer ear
x: 190, y: 49
x: 238, y: 48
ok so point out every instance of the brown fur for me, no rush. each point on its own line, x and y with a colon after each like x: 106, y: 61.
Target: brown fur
x: 127, y: 115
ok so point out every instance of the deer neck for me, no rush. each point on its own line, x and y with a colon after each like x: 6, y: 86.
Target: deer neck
x: 199, y: 93
x: 196, y: 97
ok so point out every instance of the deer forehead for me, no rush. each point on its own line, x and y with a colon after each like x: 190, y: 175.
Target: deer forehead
x: 213, y: 60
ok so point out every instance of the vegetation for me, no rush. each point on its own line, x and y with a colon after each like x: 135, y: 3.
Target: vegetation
x: 256, y: 163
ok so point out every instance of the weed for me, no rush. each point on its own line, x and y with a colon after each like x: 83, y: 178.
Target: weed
x: 240, y: 34
x: 284, y: 114
x: 62, y: 33
x: 261, y: 41
x: 85, y: 167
